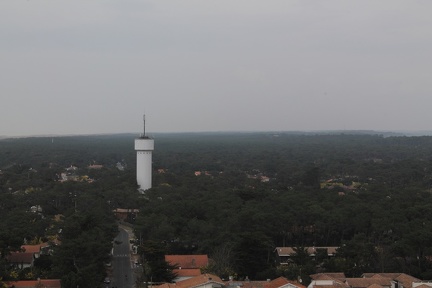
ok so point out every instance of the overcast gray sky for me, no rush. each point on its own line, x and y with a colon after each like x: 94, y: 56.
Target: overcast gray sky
x: 84, y: 67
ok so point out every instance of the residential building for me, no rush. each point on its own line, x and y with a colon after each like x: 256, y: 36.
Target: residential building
x: 42, y: 283
x: 188, y: 266
x: 201, y: 281
x: 37, y: 249
x: 368, y: 280
x: 280, y: 282
x: 284, y: 254
x: 123, y: 214
x: 402, y: 280
x: 21, y: 260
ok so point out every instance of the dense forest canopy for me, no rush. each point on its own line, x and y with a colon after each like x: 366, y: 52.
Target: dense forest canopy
x: 234, y: 196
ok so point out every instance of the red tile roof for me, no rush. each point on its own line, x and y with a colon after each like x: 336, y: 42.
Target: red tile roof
x: 20, y: 257
x: 166, y: 285
x: 187, y: 272
x: 406, y: 280
x: 366, y: 282
x: 282, y: 282
x: 188, y: 261
x: 48, y: 283
x: 245, y: 284
x: 197, y: 281
x: 403, y: 278
x: 328, y: 276
x: 33, y: 248
x: 386, y: 275
x: 375, y: 286
x: 334, y: 285
x: 336, y: 280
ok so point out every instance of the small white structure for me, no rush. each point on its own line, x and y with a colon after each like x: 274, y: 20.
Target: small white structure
x: 144, y: 146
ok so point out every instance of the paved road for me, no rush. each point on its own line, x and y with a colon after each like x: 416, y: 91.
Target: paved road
x: 122, y: 272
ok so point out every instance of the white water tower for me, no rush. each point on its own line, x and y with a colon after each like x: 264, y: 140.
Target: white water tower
x: 144, y: 146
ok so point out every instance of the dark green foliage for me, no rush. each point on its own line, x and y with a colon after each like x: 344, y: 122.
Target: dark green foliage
x: 86, y: 243
x: 255, y: 249
x: 156, y: 269
x: 43, y: 263
x: 381, y: 225
x: 196, y: 213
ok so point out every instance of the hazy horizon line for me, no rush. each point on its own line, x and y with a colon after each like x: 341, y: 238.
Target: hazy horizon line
x: 363, y: 131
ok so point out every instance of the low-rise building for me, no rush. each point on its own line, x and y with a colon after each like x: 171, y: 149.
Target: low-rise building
x: 284, y: 254
x: 188, y: 266
x: 368, y: 280
x: 41, y: 283
x: 21, y: 260
x: 201, y: 281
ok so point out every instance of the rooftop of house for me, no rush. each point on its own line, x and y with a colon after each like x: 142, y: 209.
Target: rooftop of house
x: 334, y: 285
x: 328, y: 276
x: 187, y: 272
x: 95, y: 166
x: 122, y: 210
x: 197, y: 281
x: 283, y: 282
x: 375, y: 286
x: 245, y: 284
x: 386, y: 275
x: 329, y: 280
x: 423, y: 286
x: 34, y: 248
x: 166, y: 285
x: 187, y: 261
x: 403, y: 278
x: 366, y: 282
x: 276, y: 283
x: 20, y: 257
x: 288, y: 251
x: 47, y: 283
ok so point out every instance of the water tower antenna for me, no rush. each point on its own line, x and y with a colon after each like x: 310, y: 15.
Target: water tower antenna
x: 144, y: 135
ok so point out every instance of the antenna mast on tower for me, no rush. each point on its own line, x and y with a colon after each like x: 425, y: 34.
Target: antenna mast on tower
x: 144, y: 125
